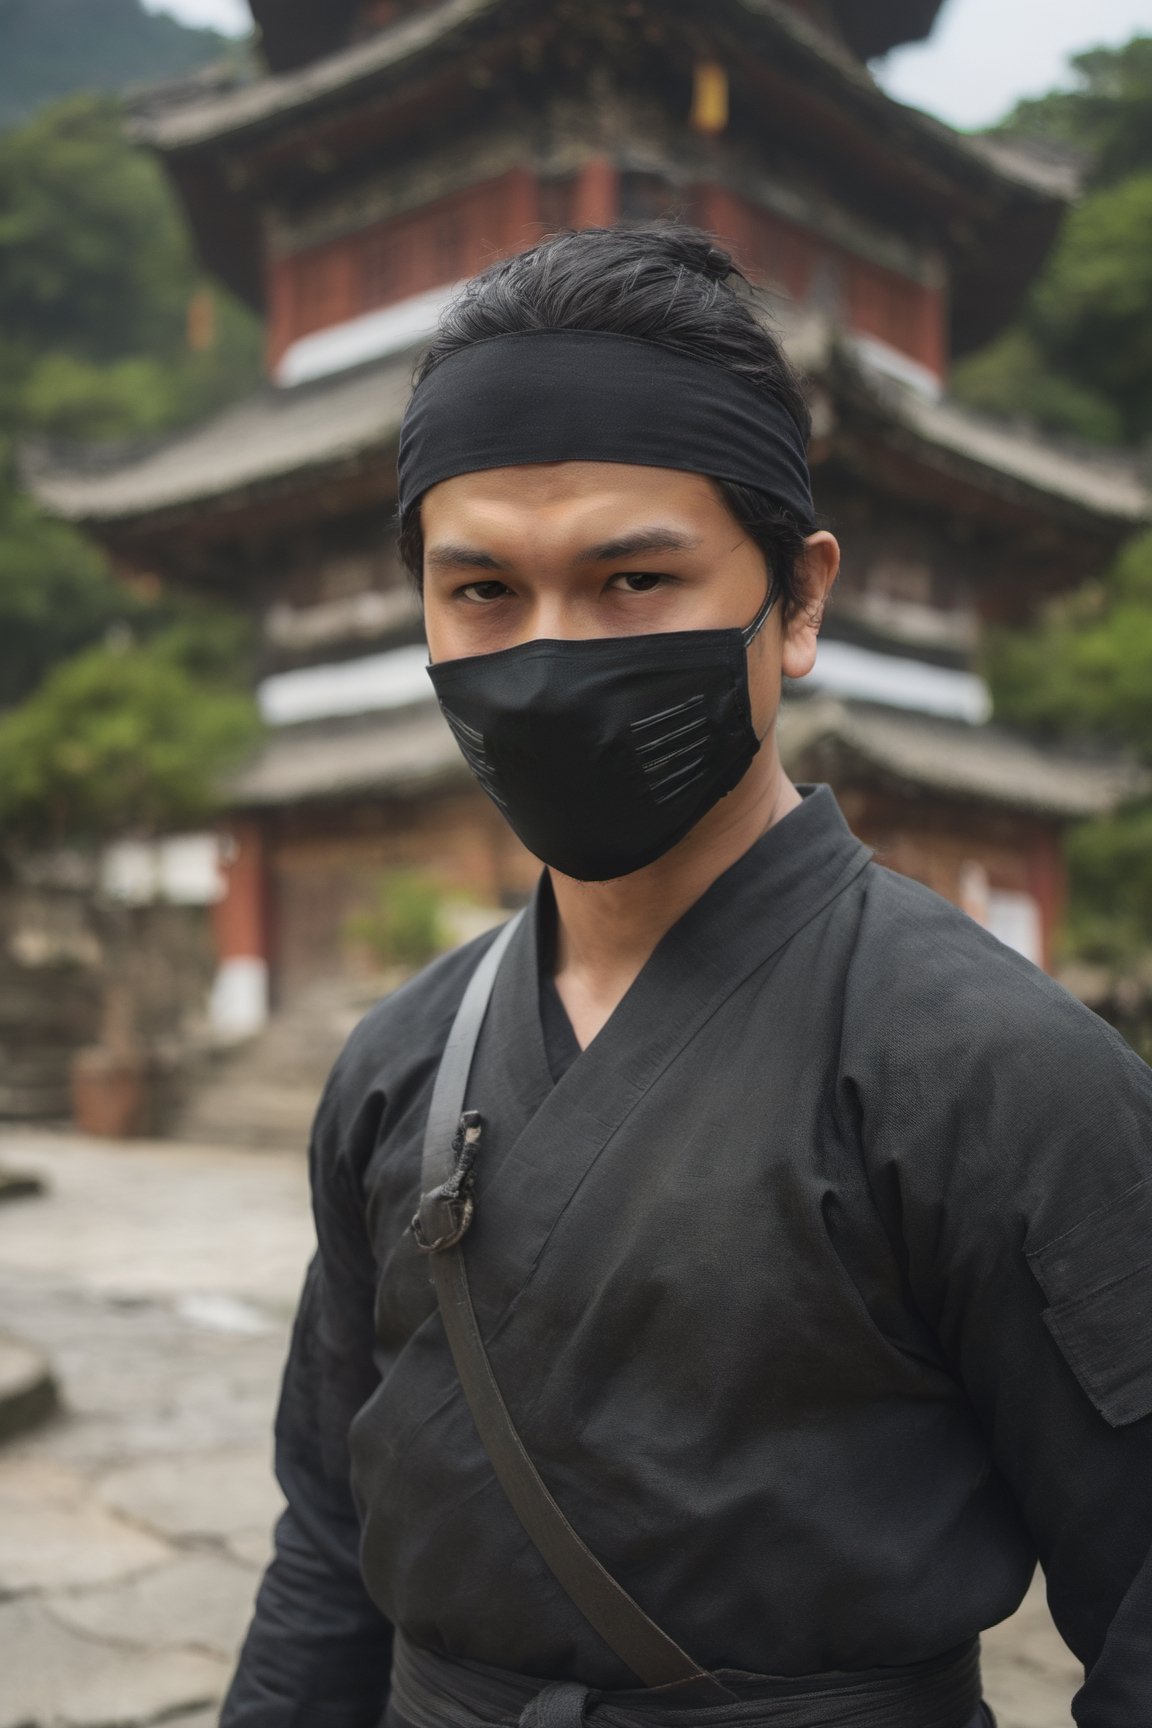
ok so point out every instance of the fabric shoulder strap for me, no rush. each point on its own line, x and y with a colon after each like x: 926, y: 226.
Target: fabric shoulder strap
x: 447, y: 1201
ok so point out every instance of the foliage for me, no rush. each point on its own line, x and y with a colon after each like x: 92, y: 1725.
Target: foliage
x: 1078, y: 358
x: 1086, y: 669
x: 73, y: 399
x: 1106, y: 115
x: 1013, y: 379
x: 55, y: 47
x: 405, y: 926
x: 124, y: 704
x: 1090, y: 310
x: 118, y: 738
x: 97, y: 279
x: 1110, y: 872
x: 56, y: 596
x: 92, y: 258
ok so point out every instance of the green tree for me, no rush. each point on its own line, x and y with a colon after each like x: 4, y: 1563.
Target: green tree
x: 405, y: 925
x: 1086, y: 668
x: 92, y: 257
x: 55, y: 47
x: 57, y: 596
x: 1105, y: 115
x: 1078, y: 358
x: 1086, y: 672
x: 1110, y: 871
x: 122, y: 708
x: 117, y: 739
x: 1014, y: 379
x: 1092, y: 308
x: 97, y: 276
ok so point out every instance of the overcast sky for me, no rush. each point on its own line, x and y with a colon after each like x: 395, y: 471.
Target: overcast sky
x: 982, y: 56
x: 232, y: 16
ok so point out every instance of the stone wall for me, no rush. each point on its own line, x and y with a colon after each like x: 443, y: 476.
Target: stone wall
x: 77, y: 970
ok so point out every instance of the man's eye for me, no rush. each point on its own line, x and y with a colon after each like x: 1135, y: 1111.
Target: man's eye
x: 640, y: 581
x: 479, y: 592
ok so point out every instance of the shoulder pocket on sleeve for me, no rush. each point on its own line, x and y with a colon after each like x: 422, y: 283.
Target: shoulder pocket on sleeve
x: 1097, y: 1278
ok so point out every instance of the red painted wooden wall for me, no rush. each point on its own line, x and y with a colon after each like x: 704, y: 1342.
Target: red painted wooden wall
x: 453, y: 237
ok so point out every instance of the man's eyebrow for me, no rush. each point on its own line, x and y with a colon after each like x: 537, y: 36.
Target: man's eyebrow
x: 659, y: 539
x: 452, y: 557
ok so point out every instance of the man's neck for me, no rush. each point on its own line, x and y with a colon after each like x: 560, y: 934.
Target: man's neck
x: 606, y: 931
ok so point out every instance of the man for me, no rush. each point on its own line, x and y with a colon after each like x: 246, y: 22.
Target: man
x: 810, y: 1247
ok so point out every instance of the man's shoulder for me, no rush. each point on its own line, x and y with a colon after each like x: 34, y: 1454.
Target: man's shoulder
x: 934, y: 977
x: 995, y: 1092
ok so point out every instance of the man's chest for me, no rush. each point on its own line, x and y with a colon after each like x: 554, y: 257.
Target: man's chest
x: 712, y: 1240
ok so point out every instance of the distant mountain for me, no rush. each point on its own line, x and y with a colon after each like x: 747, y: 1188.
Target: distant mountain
x: 50, y: 48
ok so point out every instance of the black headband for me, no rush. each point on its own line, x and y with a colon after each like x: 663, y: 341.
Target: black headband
x: 584, y: 396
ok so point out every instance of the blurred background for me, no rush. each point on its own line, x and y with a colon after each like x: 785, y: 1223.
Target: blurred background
x: 230, y: 815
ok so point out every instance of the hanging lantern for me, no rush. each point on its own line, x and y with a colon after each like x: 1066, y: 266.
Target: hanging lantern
x: 709, y: 97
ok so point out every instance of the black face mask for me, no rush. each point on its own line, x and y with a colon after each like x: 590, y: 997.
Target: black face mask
x: 603, y: 753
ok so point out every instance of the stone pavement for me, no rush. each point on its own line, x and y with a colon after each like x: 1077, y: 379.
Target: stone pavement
x: 159, y: 1279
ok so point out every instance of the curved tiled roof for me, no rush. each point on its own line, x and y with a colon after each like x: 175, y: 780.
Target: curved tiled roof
x: 172, y: 124
x: 401, y: 755
x: 872, y: 27
x: 268, y: 438
x: 994, y: 211
x: 279, y: 434
x: 411, y: 752
x: 294, y: 33
x: 972, y: 764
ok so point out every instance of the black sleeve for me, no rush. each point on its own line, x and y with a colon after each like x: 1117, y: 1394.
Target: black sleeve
x: 318, y: 1651
x: 1009, y: 1136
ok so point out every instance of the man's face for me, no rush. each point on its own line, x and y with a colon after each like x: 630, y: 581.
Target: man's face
x: 583, y: 549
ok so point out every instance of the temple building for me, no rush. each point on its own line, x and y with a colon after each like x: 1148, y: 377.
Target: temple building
x: 392, y: 148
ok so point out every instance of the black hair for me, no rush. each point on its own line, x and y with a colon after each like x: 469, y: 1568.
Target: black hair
x: 661, y: 282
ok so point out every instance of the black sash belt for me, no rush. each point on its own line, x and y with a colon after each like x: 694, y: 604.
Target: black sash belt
x: 433, y: 1691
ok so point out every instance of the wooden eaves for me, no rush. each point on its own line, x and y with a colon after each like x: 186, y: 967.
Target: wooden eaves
x: 282, y: 443
x: 295, y: 32
x: 792, y: 82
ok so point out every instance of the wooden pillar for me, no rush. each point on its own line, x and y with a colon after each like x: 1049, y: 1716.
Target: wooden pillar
x: 1048, y: 885
x: 242, y: 928
x: 934, y: 331
x: 596, y: 199
x: 281, y: 311
x: 521, y: 210
x: 345, y: 299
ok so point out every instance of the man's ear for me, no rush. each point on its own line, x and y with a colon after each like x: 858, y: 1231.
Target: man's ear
x: 816, y: 571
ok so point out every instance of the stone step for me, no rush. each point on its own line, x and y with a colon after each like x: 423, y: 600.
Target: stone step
x: 35, y: 1081
x: 36, y: 1103
x: 246, y: 1112
x: 27, y: 1389
x: 264, y: 1093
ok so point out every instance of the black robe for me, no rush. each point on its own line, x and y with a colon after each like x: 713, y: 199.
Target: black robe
x: 820, y: 1288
